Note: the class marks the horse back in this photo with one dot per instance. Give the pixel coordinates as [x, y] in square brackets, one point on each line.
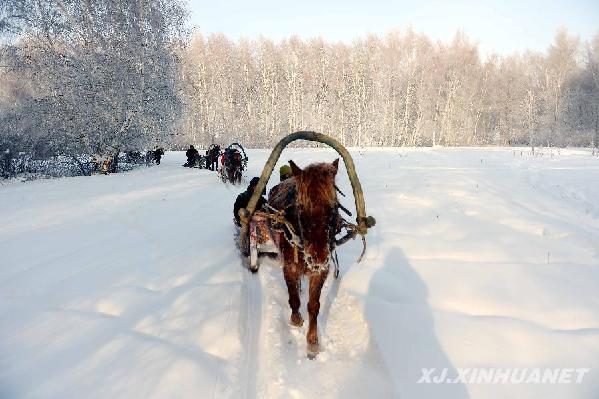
[283, 194]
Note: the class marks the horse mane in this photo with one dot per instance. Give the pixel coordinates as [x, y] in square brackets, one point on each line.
[316, 187]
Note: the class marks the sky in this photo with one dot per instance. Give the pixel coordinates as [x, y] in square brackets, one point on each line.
[501, 27]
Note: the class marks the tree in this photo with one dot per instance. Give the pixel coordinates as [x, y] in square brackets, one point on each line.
[98, 77]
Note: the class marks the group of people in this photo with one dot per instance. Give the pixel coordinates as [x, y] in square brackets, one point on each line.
[137, 157]
[244, 198]
[211, 157]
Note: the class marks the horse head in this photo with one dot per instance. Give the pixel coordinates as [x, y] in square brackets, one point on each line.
[316, 204]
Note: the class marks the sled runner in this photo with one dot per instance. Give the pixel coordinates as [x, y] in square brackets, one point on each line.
[261, 240]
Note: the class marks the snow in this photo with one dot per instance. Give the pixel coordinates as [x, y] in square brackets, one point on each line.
[129, 285]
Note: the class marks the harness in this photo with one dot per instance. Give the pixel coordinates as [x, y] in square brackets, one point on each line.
[295, 236]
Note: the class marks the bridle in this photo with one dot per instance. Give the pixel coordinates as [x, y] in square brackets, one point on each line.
[295, 235]
[329, 225]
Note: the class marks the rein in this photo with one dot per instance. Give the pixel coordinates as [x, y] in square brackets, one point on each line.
[278, 216]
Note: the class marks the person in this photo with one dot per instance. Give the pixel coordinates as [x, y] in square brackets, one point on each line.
[285, 172]
[212, 157]
[158, 153]
[192, 156]
[243, 199]
[208, 160]
[215, 159]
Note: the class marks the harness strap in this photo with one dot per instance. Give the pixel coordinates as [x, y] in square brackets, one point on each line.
[296, 241]
[279, 217]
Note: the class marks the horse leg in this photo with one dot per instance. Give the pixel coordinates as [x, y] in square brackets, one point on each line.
[292, 277]
[316, 283]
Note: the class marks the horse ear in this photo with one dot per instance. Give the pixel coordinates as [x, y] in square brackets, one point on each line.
[295, 169]
[336, 165]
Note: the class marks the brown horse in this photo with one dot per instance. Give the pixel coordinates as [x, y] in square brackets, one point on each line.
[310, 202]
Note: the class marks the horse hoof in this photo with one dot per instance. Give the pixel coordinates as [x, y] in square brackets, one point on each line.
[313, 351]
[296, 320]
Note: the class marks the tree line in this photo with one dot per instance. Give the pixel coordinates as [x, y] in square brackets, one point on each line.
[399, 90]
[80, 77]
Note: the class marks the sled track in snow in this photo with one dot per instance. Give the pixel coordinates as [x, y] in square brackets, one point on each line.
[252, 315]
[276, 362]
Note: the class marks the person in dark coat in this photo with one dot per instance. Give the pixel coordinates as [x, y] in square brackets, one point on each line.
[192, 156]
[213, 157]
[243, 199]
[158, 153]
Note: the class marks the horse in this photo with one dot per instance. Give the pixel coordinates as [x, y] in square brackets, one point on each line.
[309, 200]
[232, 168]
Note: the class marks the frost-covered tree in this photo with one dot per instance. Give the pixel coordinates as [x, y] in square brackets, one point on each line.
[97, 77]
[583, 113]
[403, 89]
[90, 77]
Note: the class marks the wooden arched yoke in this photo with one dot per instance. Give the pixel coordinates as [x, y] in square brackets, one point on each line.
[363, 222]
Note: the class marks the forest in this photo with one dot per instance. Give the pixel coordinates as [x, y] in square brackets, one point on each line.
[82, 79]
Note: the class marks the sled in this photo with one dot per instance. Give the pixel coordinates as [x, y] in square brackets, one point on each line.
[232, 170]
[261, 240]
[198, 163]
[255, 236]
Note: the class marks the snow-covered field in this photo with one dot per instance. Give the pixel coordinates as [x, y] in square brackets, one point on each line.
[129, 285]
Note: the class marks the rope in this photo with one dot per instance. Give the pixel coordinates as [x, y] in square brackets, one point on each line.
[352, 231]
[278, 216]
